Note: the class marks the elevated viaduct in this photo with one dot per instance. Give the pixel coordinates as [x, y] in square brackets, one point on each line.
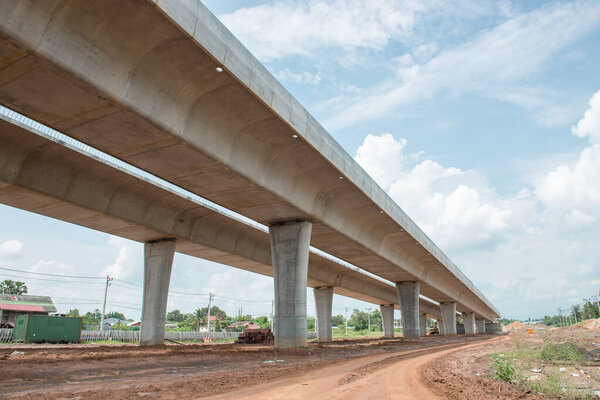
[167, 88]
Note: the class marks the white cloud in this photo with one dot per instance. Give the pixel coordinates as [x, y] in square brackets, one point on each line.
[589, 125]
[299, 77]
[11, 249]
[495, 64]
[128, 261]
[380, 156]
[576, 187]
[455, 207]
[291, 27]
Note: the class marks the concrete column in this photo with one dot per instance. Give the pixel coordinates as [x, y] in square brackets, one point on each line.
[423, 324]
[440, 327]
[408, 295]
[323, 301]
[469, 322]
[289, 251]
[158, 261]
[448, 318]
[480, 325]
[387, 318]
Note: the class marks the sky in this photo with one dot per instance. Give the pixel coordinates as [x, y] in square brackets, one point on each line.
[481, 119]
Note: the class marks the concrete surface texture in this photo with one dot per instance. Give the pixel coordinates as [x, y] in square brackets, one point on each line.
[469, 322]
[289, 250]
[448, 318]
[387, 318]
[408, 295]
[158, 262]
[323, 310]
[480, 324]
[99, 71]
[42, 176]
[423, 324]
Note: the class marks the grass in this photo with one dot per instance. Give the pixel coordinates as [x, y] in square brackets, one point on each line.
[341, 333]
[563, 352]
[514, 365]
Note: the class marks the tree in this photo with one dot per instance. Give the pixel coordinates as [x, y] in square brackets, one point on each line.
[92, 318]
[338, 320]
[175, 316]
[73, 313]
[11, 287]
[115, 314]
[199, 317]
[310, 324]
[262, 321]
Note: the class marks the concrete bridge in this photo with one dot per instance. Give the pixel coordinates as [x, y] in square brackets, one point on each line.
[166, 87]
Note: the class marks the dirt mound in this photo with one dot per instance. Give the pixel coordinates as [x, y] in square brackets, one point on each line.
[515, 326]
[590, 324]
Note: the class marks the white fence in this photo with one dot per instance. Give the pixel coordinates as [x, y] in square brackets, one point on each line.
[134, 336]
[6, 335]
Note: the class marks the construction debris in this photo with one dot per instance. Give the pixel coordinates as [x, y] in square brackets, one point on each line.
[256, 336]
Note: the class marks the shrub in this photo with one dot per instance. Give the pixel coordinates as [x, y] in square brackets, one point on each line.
[563, 352]
[503, 369]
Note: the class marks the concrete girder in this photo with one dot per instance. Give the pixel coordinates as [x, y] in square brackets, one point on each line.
[245, 158]
[42, 176]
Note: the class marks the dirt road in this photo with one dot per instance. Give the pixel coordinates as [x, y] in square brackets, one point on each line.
[199, 371]
[395, 376]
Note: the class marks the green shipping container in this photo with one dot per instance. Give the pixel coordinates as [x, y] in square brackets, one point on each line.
[44, 328]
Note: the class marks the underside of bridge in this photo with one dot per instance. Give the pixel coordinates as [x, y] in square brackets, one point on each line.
[164, 86]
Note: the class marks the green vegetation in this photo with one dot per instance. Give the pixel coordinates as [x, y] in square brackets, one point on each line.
[11, 287]
[563, 352]
[340, 332]
[547, 360]
[115, 314]
[503, 368]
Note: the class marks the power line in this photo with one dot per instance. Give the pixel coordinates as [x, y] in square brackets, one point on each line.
[47, 280]
[46, 274]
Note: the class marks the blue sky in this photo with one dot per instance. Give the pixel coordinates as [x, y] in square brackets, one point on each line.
[480, 118]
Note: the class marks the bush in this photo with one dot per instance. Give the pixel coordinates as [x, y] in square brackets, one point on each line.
[503, 369]
[563, 352]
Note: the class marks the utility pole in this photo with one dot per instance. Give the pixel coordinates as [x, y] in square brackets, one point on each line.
[108, 280]
[559, 318]
[272, 313]
[346, 321]
[210, 299]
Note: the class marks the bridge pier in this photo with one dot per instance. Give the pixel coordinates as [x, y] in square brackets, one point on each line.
[408, 295]
[158, 261]
[423, 324]
[480, 325]
[448, 311]
[323, 302]
[387, 319]
[469, 322]
[289, 252]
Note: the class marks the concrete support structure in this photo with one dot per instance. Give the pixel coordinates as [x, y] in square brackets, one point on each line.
[448, 311]
[158, 261]
[289, 252]
[323, 302]
[480, 323]
[423, 324]
[387, 318]
[440, 326]
[408, 295]
[469, 322]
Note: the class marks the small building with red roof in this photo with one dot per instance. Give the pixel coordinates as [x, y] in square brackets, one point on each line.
[13, 305]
